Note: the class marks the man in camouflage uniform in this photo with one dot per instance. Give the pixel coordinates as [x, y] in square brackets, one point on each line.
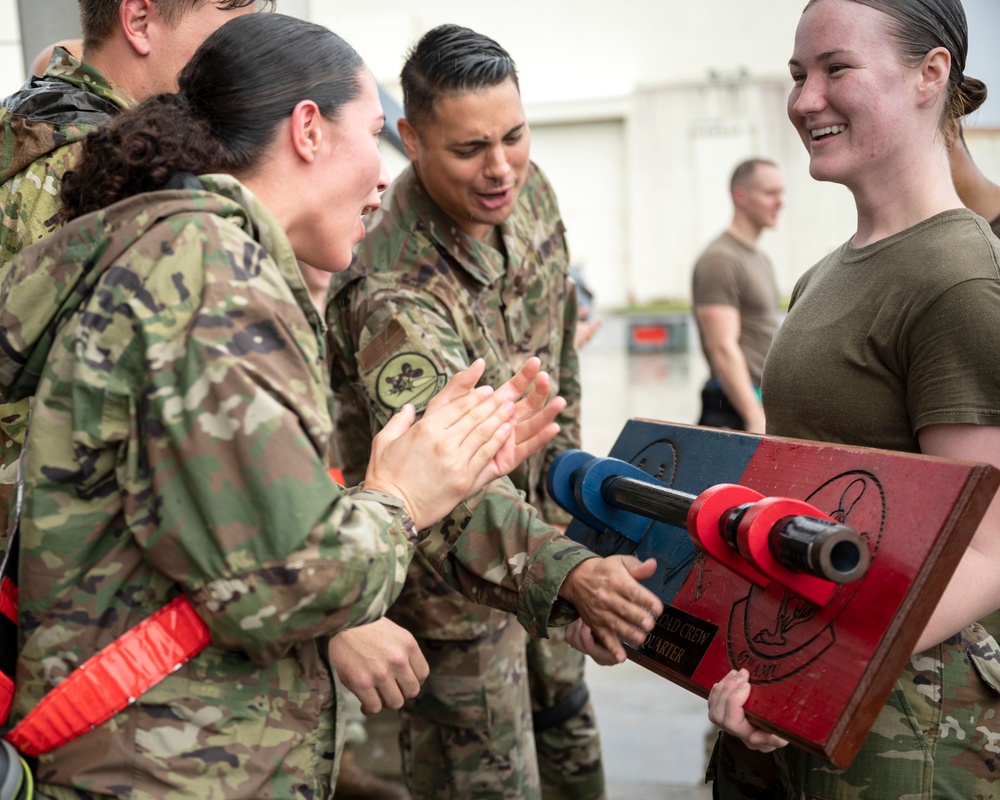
[127, 57]
[466, 258]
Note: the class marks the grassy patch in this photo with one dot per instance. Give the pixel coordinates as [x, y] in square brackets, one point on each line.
[665, 306]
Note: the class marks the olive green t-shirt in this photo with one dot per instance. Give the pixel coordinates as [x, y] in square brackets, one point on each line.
[883, 340]
[732, 273]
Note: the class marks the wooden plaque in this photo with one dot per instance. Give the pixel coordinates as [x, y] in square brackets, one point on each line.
[820, 675]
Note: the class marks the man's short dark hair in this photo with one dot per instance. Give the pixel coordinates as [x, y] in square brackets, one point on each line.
[743, 174]
[451, 59]
[98, 18]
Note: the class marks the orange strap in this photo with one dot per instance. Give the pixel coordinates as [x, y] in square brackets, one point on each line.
[8, 635]
[6, 695]
[112, 678]
[8, 599]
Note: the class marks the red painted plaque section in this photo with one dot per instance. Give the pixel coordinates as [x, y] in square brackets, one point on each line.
[821, 675]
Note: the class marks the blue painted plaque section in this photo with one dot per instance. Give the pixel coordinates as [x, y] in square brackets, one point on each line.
[682, 457]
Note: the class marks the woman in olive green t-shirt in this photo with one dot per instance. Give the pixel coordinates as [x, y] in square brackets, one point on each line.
[892, 341]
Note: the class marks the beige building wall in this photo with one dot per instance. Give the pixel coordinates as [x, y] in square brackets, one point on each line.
[639, 113]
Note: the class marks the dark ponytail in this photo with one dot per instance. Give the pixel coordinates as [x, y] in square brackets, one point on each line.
[243, 81]
[969, 95]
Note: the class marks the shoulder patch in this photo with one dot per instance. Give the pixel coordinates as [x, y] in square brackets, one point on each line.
[408, 378]
[392, 336]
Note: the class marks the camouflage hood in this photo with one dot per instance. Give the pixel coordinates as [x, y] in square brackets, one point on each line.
[47, 113]
[48, 282]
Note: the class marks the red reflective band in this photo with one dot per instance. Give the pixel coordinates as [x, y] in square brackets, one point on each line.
[337, 474]
[8, 609]
[6, 697]
[113, 678]
[8, 599]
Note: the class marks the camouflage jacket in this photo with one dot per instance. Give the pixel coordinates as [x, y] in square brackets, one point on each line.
[423, 300]
[41, 128]
[179, 443]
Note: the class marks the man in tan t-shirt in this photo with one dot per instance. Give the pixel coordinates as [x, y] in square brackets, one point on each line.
[736, 301]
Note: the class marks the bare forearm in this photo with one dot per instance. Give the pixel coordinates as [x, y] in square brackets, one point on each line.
[972, 593]
[973, 590]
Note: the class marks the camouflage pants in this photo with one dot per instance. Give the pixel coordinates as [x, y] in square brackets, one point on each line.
[469, 734]
[569, 750]
[937, 738]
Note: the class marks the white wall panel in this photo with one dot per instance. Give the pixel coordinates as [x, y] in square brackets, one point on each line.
[11, 68]
[586, 164]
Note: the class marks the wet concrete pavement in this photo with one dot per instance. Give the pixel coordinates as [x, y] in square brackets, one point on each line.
[653, 732]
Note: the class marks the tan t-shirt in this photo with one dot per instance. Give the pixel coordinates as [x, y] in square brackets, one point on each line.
[732, 273]
[883, 340]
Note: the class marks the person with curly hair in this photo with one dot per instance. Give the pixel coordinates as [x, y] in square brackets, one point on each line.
[131, 49]
[178, 447]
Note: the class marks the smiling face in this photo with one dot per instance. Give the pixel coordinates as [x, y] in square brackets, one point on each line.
[472, 155]
[348, 185]
[853, 100]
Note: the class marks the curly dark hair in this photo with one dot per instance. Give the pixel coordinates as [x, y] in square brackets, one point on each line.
[239, 86]
[139, 152]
